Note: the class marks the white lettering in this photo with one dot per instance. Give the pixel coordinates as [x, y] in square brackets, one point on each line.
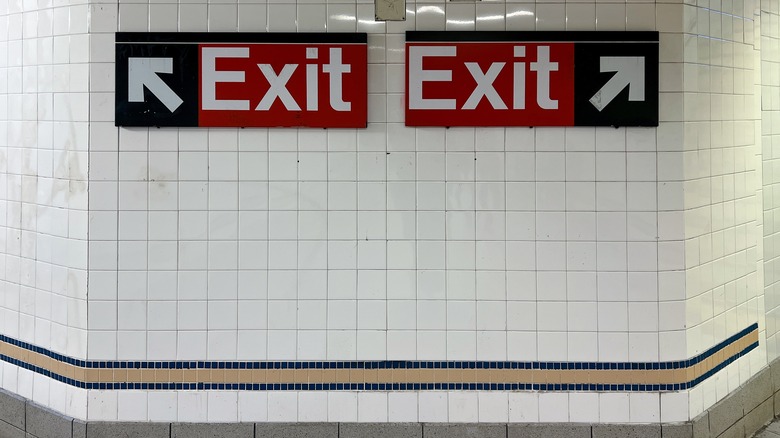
[335, 69]
[543, 67]
[518, 95]
[312, 84]
[211, 77]
[418, 76]
[278, 87]
[484, 85]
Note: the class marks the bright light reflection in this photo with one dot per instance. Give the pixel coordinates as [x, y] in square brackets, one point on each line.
[433, 9]
[460, 21]
[520, 14]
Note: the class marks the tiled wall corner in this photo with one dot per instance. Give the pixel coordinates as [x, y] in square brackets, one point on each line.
[44, 135]
[722, 184]
[770, 129]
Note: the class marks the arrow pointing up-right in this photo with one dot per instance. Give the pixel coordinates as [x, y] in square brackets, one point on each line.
[630, 73]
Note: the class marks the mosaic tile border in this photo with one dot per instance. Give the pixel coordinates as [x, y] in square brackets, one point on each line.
[380, 375]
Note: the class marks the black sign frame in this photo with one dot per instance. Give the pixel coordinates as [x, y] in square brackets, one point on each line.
[589, 48]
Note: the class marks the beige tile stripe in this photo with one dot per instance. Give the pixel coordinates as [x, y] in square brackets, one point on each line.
[127, 375]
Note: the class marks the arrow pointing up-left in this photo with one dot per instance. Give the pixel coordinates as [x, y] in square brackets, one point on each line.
[142, 72]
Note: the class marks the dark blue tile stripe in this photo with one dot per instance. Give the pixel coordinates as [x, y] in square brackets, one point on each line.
[382, 365]
[42, 371]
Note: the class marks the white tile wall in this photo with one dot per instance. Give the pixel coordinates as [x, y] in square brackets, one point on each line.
[770, 104]
[572, 244]
[721, 180]
[44, 135]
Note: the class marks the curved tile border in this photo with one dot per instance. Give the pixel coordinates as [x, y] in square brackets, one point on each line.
[380, 375]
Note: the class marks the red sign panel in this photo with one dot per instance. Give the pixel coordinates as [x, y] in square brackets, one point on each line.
[242, 80]
[317, 85]
[489, 84]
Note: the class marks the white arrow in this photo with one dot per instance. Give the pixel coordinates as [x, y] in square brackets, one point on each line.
[630, 73]
[142, 72]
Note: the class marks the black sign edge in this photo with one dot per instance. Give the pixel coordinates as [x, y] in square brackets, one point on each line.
[531, 36]
[242, 37]
[577, 37]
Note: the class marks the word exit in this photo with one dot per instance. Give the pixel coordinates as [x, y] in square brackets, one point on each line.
[531, 78]
[242, 80]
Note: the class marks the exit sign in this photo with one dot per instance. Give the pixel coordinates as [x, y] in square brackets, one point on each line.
[241, 79]
[531, 78]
